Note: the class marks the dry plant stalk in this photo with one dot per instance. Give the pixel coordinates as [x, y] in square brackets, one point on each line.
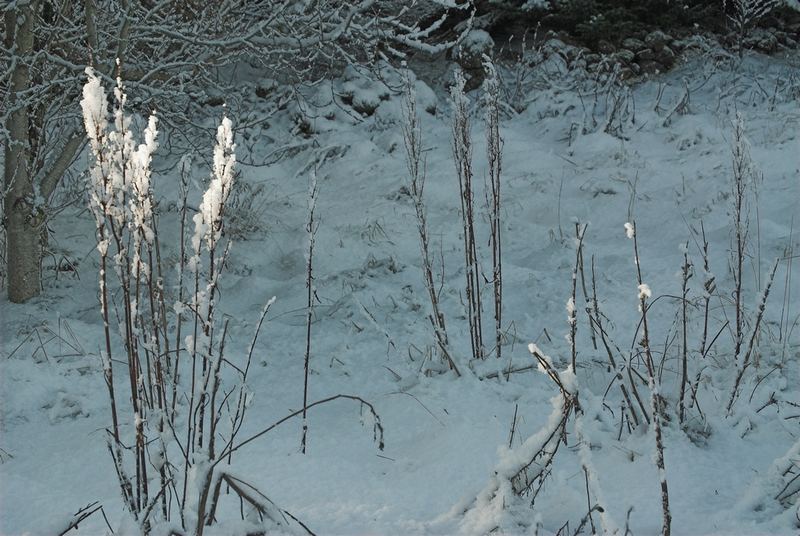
[742, 177]
[311, 231]
[121, 201]
[654, 382]
[412, 139]
[494, 153]
[686, 273]
[709, 287]
[572, 311]
[462, 156]
[596, 321]
[753, 336]
[184, 195]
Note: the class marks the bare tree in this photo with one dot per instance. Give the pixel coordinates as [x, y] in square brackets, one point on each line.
[21, 217]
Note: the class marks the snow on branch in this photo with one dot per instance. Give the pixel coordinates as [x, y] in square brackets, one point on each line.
[522, 470]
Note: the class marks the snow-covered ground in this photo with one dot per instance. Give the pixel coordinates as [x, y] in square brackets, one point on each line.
[371, 331]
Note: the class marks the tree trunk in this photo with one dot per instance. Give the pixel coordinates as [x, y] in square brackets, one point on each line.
[23, 220]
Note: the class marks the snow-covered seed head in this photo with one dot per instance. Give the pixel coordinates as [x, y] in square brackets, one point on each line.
[93, 105]
[644, 291]
[630, 230]
[570, 310]
[208, 221]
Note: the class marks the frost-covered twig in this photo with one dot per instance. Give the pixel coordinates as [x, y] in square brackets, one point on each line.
[209, 224]
[121, 199]
[81, 515]
[257, 500]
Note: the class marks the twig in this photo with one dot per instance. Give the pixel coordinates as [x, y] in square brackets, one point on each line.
[311, 228]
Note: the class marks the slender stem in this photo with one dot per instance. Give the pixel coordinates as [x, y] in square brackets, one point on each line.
[684, 357]
[655, 402]
[310, 230]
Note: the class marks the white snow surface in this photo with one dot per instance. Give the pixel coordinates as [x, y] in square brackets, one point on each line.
[445, 436]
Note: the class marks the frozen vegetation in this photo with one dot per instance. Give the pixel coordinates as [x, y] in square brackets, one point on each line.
[557, 303]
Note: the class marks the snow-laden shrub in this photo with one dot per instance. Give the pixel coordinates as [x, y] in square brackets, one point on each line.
[174, 431]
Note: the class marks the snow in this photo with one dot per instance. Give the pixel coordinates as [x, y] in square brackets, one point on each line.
[583, 430]
[94, 104]
[644, 291]
[476, 42]
[208, 220]
[447, 439]
[570, 310]
[629, 230]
